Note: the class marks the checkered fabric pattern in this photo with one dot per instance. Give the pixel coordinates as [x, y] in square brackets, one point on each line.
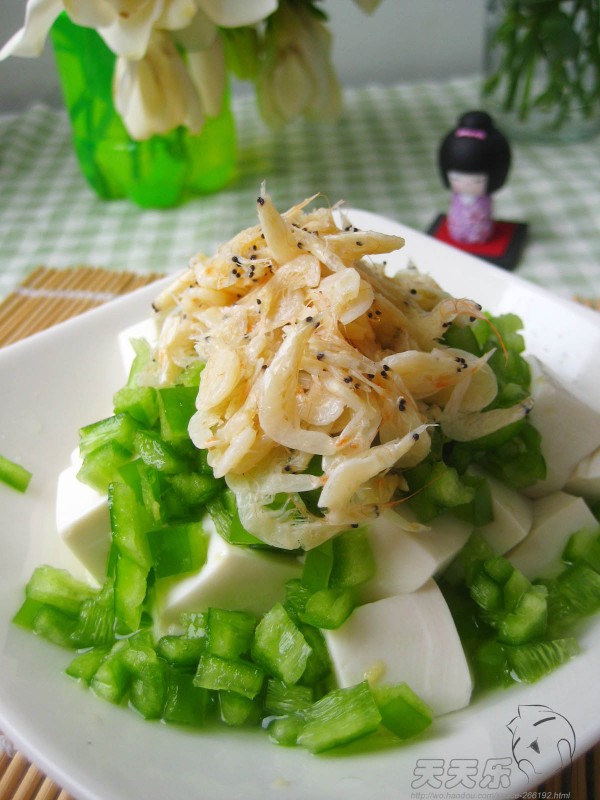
[380, 156]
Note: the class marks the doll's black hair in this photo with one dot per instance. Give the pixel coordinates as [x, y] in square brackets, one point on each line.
[476, 146]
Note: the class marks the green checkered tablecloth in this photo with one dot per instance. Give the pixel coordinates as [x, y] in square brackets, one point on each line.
[380, 156]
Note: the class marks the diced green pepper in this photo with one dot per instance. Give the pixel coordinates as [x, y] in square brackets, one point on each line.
[318, 564]
[229, 634]
[329, 608]
[341, 716]
[530, 662]
[318, 664]
[283, 699]
[185, 704]
[279, 646]
[491, 664]
[180, 651]
[54, 625]
[224, 514]
[527, 621]
[128, 523]
[584, 546]
[176, 404]
[130, 592]
[85, 665]
[101, 466]
[140, 402]
[158, 454]
[120, 428]
[195, 489]
[14, 474]
[59, 589]
[436, 488]
[231, 675]
[402, 711]
[237, 710]
[353, 561]
[96, 622]
[285, 730]
[147, 483]
[148, 688]
[177, 549]
[296, 597]
[112, 678]
[486, 592]
[190, 376]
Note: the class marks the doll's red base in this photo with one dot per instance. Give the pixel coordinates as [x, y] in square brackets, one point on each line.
[503, 248]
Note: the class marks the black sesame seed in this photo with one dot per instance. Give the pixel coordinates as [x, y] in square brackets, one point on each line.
[260, 201]
[415, 436]
[308, 319]
[347, 379]
[320, 356]
[413, 291]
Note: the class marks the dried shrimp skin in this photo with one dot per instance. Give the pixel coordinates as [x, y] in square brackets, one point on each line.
[312, 351]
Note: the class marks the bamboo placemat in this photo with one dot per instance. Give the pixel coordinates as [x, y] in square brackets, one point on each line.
[49, 296]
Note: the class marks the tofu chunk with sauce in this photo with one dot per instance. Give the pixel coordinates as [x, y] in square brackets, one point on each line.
[408, 638]
[233, 577]
[82, 521]
[555, 518]
[570, 428]
[585, 478]
[405, 559]
[513, 517]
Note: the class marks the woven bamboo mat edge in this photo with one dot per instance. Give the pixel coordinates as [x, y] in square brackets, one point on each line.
[49, 296]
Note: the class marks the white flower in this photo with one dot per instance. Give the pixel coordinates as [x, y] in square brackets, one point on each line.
[155, 94]
[297, 78]
[127, 25]
[154, 89]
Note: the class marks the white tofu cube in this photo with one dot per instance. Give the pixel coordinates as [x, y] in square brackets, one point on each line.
[408, 638]
[513, 517]
[235, 578]
[147, 329]
[406, 559]
[585, 478]
[83, 522]
[555, 518]
[570, 428]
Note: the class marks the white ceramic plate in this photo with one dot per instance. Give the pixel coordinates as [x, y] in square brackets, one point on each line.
[54, 382]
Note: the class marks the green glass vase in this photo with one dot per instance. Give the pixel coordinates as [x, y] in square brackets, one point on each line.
[159, 172]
